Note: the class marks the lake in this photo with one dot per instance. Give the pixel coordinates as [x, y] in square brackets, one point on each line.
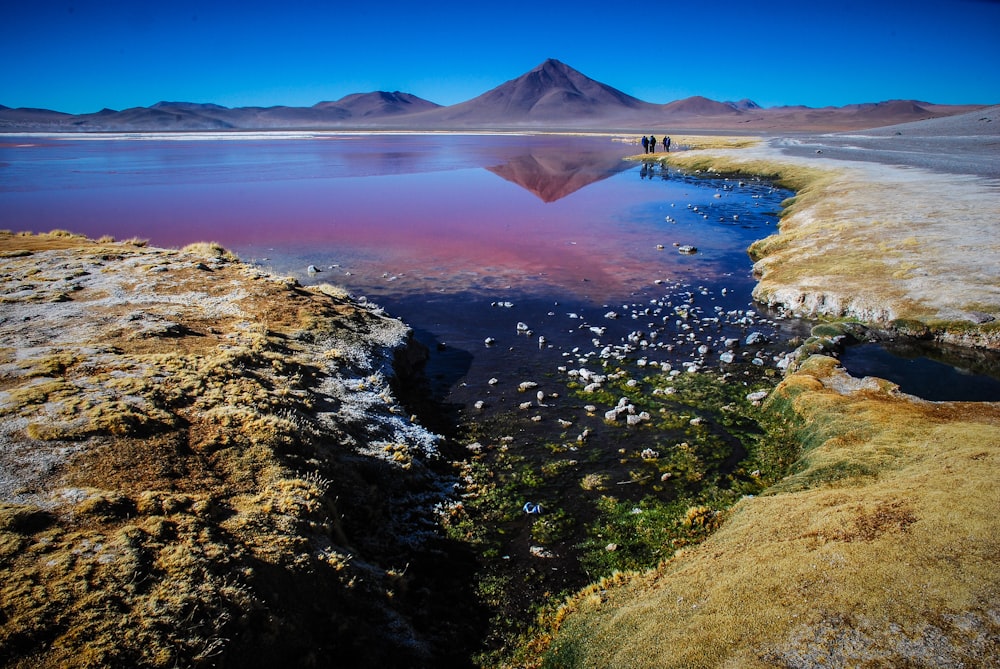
[438, 228]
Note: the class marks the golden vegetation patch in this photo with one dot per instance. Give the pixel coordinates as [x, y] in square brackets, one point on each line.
[879, 550]
[182, 473]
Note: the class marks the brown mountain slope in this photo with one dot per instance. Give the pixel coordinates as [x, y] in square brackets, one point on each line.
[379, 103]
[551, 92]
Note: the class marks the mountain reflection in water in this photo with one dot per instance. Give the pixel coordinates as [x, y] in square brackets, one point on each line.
[551, 173]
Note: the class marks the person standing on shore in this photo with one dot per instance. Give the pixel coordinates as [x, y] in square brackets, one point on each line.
[645, 144]
[652, 144]
[666, 144]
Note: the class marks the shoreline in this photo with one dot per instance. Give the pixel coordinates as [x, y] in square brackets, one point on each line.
[905, 249]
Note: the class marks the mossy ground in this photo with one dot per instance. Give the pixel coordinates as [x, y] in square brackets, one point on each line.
[877, 550]
[616, 498]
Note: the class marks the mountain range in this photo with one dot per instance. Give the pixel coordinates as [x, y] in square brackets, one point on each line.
[552, 96]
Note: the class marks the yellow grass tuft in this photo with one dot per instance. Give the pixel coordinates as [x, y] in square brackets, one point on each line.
[170, 456]
[210, 250]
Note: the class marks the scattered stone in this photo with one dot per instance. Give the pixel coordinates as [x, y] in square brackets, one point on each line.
[541, 552]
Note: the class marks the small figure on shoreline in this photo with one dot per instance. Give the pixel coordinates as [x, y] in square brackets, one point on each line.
[652, 144]
[645, 144]
[666, 144]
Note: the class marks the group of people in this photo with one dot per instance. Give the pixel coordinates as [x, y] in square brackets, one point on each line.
[649, 144]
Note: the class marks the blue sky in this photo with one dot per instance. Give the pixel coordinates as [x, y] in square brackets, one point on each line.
[83, 55]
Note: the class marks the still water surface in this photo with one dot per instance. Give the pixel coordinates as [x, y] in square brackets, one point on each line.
[439, 229]
[462, 236]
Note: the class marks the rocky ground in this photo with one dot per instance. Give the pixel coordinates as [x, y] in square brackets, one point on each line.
[203, 464]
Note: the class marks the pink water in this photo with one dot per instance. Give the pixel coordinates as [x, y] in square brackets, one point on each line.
[436, 228]
[421, 208]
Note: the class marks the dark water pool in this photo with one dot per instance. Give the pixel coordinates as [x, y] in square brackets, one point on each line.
[917, 372]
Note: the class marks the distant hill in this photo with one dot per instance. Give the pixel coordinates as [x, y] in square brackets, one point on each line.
[698, 106]
[378, 104]
[550, 96]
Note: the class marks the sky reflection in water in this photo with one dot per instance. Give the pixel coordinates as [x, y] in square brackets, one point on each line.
[561, 210]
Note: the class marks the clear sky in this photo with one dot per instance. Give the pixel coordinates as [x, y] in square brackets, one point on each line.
[84, 55]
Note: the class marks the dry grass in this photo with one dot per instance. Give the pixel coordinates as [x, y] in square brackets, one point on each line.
[875, 243]
[182, 478]
[880, 550]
